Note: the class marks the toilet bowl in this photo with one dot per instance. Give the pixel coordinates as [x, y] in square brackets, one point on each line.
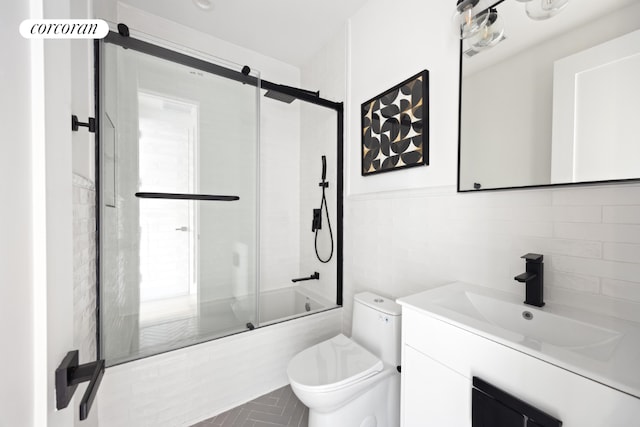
[353, 382]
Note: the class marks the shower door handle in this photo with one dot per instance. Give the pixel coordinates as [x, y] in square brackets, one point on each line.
[183, 228]
[70, 373]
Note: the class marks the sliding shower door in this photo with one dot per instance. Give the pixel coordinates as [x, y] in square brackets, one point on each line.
[178, 175]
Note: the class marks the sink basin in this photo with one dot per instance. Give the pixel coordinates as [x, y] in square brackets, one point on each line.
[528, 323]
[603, 348]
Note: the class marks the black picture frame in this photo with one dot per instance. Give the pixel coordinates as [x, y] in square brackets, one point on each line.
[395, 127]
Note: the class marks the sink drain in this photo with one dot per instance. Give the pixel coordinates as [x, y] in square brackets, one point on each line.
[527, 315]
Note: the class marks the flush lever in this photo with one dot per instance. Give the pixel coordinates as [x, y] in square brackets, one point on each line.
[183, 228]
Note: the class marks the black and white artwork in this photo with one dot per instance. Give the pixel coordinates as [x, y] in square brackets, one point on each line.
[395, 127]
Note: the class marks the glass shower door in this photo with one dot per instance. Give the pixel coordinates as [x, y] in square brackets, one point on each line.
[178, 176]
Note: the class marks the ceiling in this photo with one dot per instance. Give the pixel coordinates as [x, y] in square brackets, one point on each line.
[287, 30]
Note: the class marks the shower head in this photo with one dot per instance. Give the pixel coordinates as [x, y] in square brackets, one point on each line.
[273, 94]
[285, 93]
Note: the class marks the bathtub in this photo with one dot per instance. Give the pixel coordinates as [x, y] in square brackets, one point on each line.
[187, 385]
[288, 303]
[219, 318]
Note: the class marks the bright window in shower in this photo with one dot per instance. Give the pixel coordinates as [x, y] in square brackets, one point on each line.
[167, 152]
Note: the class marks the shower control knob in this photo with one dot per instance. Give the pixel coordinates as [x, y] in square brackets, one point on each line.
[183, 228]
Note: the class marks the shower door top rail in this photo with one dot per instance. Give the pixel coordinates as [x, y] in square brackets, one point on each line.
[184, 196]
[124, 40]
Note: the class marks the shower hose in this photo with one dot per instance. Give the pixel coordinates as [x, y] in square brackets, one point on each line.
[323, 203]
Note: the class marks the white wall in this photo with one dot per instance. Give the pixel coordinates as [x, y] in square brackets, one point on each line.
[82, 95]
[325, 73]
[390, 42]
[57, 183]
[17, 392]
[279, 192]
[37, 277]
[409, 230]
[37, 282]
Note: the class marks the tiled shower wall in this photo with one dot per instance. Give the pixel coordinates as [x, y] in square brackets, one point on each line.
[84, 276]
[84, 268]
[403, 242]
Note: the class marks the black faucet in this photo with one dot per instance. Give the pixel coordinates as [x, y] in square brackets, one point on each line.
[533, 279]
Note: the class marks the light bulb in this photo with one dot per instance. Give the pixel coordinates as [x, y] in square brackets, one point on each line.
[468, 15]
[490, 35]
[468, 21]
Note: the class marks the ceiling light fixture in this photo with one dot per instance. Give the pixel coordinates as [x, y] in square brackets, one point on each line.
[490, 34]
[483, 29]
[203, 4]
[469, 20]
[539, 10]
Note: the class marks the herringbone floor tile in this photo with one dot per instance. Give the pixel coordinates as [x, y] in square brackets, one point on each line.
[280, 408]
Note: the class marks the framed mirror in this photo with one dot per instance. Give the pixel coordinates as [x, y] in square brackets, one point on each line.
[553, 101]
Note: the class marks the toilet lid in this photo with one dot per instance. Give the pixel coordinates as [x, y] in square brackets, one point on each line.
[332, 364]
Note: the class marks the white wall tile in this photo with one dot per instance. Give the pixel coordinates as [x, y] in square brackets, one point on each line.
[185, 386]
[621, 289]
[578, 248]
[598, 232]
[597, 268]
[625, 252]
[407, 242]
[577, 213]
[602, 195]
[84, 268]
[621, 214]
[576, 282]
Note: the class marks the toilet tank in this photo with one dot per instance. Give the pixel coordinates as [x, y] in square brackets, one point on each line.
[376, 326]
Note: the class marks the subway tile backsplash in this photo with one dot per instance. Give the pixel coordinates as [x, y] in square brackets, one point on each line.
[402, 242]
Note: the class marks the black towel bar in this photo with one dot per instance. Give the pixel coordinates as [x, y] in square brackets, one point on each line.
[184, 196]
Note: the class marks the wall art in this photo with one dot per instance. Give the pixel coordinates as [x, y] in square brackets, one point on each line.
[395, 127]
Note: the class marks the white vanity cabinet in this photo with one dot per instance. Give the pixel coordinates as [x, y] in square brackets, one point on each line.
[439, 361]
[447, 404]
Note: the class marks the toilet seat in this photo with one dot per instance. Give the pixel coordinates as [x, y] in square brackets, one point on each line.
[331, 365]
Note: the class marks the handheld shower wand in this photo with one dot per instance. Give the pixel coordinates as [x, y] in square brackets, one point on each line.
[317, 214]
[324, 169]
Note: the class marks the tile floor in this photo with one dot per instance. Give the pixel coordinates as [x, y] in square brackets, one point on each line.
[280, 408]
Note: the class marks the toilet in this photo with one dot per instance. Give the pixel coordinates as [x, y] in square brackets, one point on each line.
[354, 382]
